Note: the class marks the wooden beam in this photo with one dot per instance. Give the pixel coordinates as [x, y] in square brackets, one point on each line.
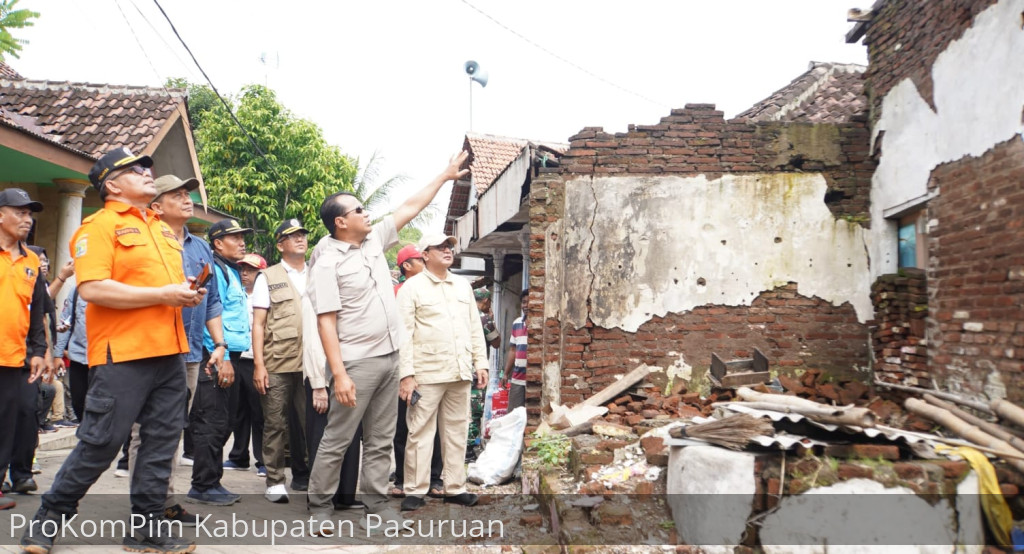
[40, 148]
[613, 390]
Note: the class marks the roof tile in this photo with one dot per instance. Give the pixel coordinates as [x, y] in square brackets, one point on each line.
[87, 117]
[825, 93]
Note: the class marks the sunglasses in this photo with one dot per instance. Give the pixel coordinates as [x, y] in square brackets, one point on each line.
[357, 209]
[137, 169]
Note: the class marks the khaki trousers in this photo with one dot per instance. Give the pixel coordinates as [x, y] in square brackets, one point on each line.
[376, 381]
[448, 405]
[285, 390]
[191, 378]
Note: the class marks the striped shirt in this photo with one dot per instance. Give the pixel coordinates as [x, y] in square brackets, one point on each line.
[519, 341]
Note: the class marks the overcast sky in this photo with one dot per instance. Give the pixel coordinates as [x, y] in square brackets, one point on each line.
[388, 75]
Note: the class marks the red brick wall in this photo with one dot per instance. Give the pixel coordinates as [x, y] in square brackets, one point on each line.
[795, 332]
[906, 36]
[698, 140]
[976, 269]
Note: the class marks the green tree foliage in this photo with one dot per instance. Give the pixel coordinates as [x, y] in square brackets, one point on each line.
[11, 18]
[298, 171]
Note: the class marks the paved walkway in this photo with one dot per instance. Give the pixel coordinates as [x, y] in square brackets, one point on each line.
[108, 500]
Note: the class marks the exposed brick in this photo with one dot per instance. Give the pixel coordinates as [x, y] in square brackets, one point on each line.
[854, 471]
[869, 451]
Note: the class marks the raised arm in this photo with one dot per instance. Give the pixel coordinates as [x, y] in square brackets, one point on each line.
[415, 204]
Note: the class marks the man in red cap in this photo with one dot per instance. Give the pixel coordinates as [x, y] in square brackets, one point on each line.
[409, 262]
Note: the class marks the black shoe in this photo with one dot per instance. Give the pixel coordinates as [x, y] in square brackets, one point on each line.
[354, 505]
[25, 486]
[142, 542]
[462, 499]
[179, 513]
[36, 540]
[299, 485]
[410, 503]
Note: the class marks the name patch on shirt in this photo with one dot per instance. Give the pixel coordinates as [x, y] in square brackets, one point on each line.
[276, 286]
[127, 231]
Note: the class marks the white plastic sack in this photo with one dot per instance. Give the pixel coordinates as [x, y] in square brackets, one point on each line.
[497, 462]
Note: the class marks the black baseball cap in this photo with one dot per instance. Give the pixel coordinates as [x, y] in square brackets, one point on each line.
[18, 198]
[226, 227]
[115, 159]
[288, 227]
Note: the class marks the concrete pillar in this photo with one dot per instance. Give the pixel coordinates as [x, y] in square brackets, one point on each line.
[524, 239]
[72, 192]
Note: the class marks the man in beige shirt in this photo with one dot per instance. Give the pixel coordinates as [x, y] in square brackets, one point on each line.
[357, 318]
[444, 354]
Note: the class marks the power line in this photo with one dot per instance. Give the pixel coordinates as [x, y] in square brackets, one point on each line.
[227, 107]
[561, 59]
[162, 39]
[139, 42]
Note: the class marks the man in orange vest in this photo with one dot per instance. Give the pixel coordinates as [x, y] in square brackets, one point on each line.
[129, 270]
[21, 295]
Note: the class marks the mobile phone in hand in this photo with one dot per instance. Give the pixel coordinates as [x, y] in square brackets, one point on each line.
[415, 398]
[203, 278]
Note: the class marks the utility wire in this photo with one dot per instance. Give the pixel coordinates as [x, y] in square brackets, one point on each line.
[561, 59]
[139, 42]
[162, 39]
[227, 107]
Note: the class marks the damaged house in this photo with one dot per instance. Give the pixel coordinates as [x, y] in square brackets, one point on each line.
[862, 223]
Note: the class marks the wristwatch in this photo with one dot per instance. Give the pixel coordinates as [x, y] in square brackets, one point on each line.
[224, 344]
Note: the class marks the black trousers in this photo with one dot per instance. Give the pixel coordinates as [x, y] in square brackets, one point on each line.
[298, 458]
[401, 437]
[248, 415]
[21, 399]
[151, 392]
[315, 425]
[210, 423]
[78, 382]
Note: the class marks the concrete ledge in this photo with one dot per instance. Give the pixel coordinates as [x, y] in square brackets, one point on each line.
[63, 439]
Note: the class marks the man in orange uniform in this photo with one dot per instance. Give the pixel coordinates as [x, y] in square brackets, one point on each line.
[129, 270]
[21, 295]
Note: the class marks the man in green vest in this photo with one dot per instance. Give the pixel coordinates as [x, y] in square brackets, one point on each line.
[277, 349]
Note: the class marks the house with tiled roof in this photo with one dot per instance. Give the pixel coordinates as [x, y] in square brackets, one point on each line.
[489, 214]
[52, 132]
[825, 93]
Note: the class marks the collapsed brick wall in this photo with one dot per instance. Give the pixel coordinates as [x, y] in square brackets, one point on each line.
[976, 271]
[905, 37]
[698, 140]
[898, 340]
[795, 332]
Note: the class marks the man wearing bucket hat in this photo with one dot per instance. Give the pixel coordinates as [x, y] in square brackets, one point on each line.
[129, 270]
[444, 357]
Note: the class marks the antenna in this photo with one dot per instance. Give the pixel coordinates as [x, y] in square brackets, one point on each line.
[475, 74]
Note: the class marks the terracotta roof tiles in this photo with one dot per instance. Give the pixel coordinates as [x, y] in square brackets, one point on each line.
[826, 93]
[85, 117]
[489, 155]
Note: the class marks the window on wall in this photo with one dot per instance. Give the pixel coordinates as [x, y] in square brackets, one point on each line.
[913, 244]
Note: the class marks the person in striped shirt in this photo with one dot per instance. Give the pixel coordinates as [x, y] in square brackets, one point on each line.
[515, 361]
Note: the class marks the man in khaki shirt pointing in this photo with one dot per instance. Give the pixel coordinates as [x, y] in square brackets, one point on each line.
[443, 356]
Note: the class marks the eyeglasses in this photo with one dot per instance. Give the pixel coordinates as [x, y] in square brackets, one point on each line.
[357, 209]
[137, 169]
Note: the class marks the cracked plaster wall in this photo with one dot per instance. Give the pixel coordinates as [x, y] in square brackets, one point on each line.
[978, 91]
[639, 247]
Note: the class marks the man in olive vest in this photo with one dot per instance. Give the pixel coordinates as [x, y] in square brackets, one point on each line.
[277, 349]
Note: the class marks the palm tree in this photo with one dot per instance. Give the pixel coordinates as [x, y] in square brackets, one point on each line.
[376, 196]
[11, 18]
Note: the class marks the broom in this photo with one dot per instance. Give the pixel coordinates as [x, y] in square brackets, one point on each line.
[733, 432]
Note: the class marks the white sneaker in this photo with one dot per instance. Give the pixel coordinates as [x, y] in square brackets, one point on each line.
[183, 461]
[277, 494]
[120, 473]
